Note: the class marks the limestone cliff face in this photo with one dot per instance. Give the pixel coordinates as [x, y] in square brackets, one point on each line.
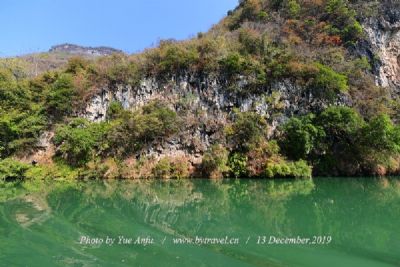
[206, 94]
[208, 105]
[383, 40]
[210, 101]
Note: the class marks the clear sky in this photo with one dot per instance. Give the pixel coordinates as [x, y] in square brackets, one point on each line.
[131, 25]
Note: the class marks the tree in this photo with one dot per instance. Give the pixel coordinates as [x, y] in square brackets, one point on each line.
[60, 98]
[380, 145]
[300, 137]
[339, 151]
[78, 141]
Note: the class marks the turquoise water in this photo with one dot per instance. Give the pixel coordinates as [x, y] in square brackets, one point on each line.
[353, 222]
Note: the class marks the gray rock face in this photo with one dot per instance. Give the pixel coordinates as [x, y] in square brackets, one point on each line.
[383, 39]
[205, 94]
[208, 105]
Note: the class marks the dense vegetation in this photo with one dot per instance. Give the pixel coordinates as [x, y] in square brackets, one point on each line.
[308, 43]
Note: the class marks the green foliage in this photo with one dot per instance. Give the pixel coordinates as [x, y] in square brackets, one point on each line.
[343, 20]
[215, 162]
[60, 98]
[300, 137]
[233, 64]
[262, 16]
[363, 64]
[133, 130]
[293, 8]
[12, 170]
[247, 129]
[172, 57]
[52, 172]
[114, 111]
[380, 144]
[19, 131]
[115, 69]
[79, 140]
[300, 169]
[76, 65]
[340, 142]
[338, 150]
[276, 59]
[284, 169]
[382, 135]
[167, 168]
[340, 123]
[12, 95]
[238, 165]
[353, 31]
[251, 42]
[327, 83]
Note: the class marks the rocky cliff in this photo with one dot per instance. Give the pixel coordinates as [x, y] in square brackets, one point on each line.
[382, 44]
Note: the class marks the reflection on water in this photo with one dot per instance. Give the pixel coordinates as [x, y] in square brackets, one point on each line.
[41, 224]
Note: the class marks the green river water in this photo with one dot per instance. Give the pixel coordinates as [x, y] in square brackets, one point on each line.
[350, 222]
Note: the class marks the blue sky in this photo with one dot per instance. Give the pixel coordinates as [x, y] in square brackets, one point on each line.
[35, 25]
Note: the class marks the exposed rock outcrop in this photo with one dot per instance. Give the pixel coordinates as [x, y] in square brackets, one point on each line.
[383, 40]
[82, 50]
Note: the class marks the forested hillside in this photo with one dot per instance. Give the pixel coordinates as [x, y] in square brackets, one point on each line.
[278, 88]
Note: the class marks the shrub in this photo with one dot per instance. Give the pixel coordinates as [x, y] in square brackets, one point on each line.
[210, 50]
[343, 20]
[352, 32]
[250, 9]
[215, 162]
[132, 131]
[259, 153]
[251, 42]
[114, 111]
[112, 70]
[293, 8]
[232, 65]
[78, 141]
[76, 65]
[276, 58]
[327, 83]
[238, 165]
[172, 57]
[171, 168]
[247, 129]
[12, 170]
[12, 94]
[284, 169]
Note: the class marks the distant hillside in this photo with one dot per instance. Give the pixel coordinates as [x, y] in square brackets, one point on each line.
[34, 64]
[83, 51]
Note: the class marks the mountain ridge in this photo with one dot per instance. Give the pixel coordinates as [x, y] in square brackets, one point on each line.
[84, 50]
